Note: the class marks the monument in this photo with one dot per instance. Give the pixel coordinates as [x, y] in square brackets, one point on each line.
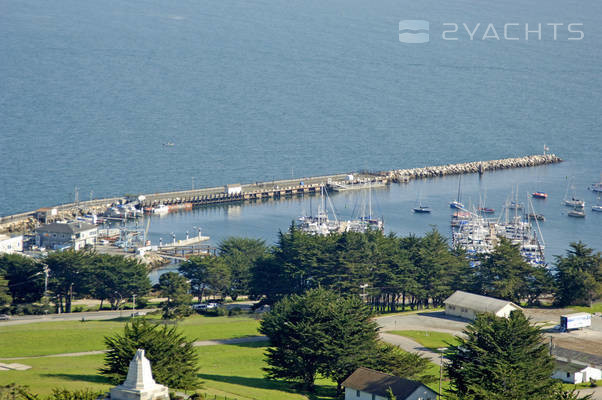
[139, 384]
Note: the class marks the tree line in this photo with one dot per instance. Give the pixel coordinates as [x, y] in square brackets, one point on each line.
[388, 271]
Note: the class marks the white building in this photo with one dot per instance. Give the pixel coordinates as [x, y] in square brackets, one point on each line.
[9, 245]
[571, 372]
[468, 305]
[234, 189]
[75, 235]
[574, 366]
[368, 384]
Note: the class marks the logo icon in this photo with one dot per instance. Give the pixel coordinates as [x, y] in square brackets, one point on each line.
[414, 31]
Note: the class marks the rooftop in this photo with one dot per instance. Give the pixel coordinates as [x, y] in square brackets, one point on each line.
[477, 302]
[70, 227]
[375, 382]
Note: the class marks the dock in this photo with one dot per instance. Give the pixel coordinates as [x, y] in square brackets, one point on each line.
[262, 191]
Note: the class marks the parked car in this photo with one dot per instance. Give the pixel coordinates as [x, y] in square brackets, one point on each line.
[138, 313]
[204, 306]
[4, 317]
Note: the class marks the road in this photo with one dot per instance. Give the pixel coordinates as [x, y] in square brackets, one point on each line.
[88, 316]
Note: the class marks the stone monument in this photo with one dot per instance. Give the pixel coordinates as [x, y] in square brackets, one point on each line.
[139, 384]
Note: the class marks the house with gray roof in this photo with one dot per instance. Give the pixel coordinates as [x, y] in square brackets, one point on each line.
[574, 366]
[75, 235]
[368, 384]
[468, 305]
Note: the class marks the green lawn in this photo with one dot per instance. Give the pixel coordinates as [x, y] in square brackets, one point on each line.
[594, 308]
[226, 370]
[73, 336]
[429, 339]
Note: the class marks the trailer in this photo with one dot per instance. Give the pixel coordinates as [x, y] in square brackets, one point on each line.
[575, 321]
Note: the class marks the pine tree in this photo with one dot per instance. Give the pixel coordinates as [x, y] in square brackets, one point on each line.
[579, 277]
[173, 358]
[501, 358]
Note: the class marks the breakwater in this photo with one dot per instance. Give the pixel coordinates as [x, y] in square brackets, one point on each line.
[263, 190]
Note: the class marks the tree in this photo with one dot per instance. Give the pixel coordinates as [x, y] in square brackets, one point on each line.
[501, 358]
[69, 276]
[390, 394]
[296, 326]
[174, 359]
[5, 297]
[320, 332]
[25, 277]
[240, 255]
[13, 391]
[175, 287]
[579, 276]
[117, 278]
[195, 270]
[504, 273]
[207, 273]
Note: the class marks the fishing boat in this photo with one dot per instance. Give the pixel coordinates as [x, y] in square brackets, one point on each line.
[576, 213]
[456, 203]
[539, 195]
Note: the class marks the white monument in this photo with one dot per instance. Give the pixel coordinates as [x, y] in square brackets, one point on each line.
[139, 384]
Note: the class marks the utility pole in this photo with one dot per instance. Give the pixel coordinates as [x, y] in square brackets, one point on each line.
[440, 374]
[134, 302]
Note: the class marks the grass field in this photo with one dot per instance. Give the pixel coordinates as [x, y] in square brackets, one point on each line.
[234, 371]
[429, 339]
[594, 308]
[73, 336]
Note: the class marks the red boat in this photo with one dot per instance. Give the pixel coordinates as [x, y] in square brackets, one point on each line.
[486, 210]
[540, 195]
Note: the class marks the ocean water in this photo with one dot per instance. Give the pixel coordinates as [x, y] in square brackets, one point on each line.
[259, 90]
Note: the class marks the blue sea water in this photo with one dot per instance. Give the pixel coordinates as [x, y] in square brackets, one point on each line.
[256, 90]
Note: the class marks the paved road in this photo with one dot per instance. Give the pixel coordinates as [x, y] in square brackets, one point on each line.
[423, 321]
[88, 316]
[411, 346]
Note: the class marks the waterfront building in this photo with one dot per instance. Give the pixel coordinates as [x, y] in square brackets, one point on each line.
[9, 245]
[75, 235]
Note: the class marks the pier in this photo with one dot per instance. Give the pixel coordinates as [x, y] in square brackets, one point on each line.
[258, 191]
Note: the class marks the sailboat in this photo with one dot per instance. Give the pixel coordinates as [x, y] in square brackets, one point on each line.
[597, 207]
[573, 201]
[456, 203]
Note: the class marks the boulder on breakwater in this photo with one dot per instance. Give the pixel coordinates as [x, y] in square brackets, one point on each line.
[403, 175]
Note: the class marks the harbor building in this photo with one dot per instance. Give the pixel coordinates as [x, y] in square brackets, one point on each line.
[9, 245]
[468, 305]
[75, 235]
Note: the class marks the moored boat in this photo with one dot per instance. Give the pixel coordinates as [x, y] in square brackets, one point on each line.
[574, 202]
[536, 216]
[539, 195]
[422, 209]
[576, 213]
[486, 210]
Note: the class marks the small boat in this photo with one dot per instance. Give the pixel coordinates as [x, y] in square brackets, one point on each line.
[168, 144]
[161, 209]
[486, 210]
[539, 195]
[536, 216]
[576, 213]
[597, 187]
[515, 205]
[456, 203]
[574, 202]
[422, 209]
[597, 208]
